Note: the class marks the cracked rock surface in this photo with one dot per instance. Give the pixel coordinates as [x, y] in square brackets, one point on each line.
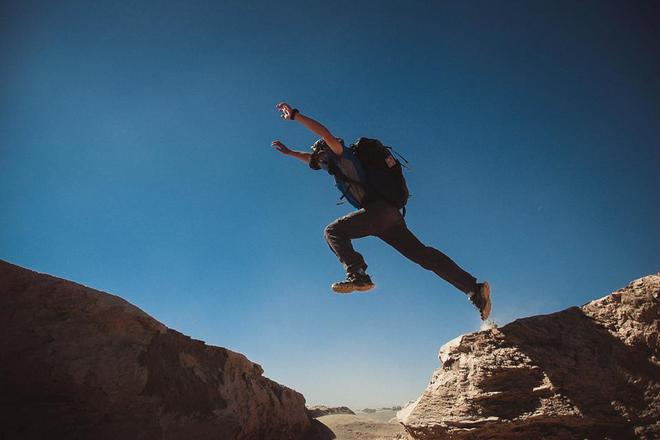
[590, 372]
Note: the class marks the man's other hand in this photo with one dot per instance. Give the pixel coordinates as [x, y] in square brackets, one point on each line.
[279, 146]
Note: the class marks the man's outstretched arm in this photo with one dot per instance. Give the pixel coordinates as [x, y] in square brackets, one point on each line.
[316, 127]
[301, 155]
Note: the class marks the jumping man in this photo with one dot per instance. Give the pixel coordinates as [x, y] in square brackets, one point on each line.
[375, 216]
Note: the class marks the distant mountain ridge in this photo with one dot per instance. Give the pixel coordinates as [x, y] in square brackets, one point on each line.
[590, 372]
[79, 363]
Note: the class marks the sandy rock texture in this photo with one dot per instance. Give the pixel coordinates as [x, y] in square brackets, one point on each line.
[323, 410]
[82, 364]
[589, 372]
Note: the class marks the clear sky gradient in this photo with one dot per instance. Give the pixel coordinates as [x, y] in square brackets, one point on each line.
[135, 158]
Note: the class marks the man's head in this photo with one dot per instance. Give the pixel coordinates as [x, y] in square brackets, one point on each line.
[320, 152]
[319, 145]
[319, 157]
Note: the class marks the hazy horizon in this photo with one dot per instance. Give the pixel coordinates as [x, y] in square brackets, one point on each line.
[136, 159]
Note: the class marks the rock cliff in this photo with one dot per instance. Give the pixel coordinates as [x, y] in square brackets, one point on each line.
[79, 363]
[591, 372]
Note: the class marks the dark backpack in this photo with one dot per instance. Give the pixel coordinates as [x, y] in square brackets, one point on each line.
[383, 171]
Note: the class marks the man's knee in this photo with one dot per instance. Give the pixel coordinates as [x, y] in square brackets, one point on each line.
[335, 230]
[330, 231]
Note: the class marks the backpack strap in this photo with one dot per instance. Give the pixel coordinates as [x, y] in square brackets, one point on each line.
[335, 171]
[343, 195]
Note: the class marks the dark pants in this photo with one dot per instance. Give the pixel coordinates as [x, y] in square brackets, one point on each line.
[384, 221]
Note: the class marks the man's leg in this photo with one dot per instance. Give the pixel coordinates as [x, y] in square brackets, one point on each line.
[376, 218]
[404, 241]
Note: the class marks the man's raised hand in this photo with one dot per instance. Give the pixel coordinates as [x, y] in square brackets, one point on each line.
[287, 111]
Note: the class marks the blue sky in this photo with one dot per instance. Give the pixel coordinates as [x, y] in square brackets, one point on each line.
[135, 158]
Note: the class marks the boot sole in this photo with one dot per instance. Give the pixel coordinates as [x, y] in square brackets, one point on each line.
[485, 313]
[353, 289]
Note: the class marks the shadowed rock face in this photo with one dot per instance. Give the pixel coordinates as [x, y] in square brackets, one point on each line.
[79, 363]
[583, 373]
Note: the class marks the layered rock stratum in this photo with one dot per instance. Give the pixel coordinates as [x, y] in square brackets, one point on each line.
[82, 364]
[589, 372]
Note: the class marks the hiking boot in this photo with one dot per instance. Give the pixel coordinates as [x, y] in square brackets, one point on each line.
[354, 281]
[481, 299]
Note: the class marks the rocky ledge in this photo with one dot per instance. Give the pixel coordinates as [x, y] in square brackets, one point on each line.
[589, 372]
[79, 363]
